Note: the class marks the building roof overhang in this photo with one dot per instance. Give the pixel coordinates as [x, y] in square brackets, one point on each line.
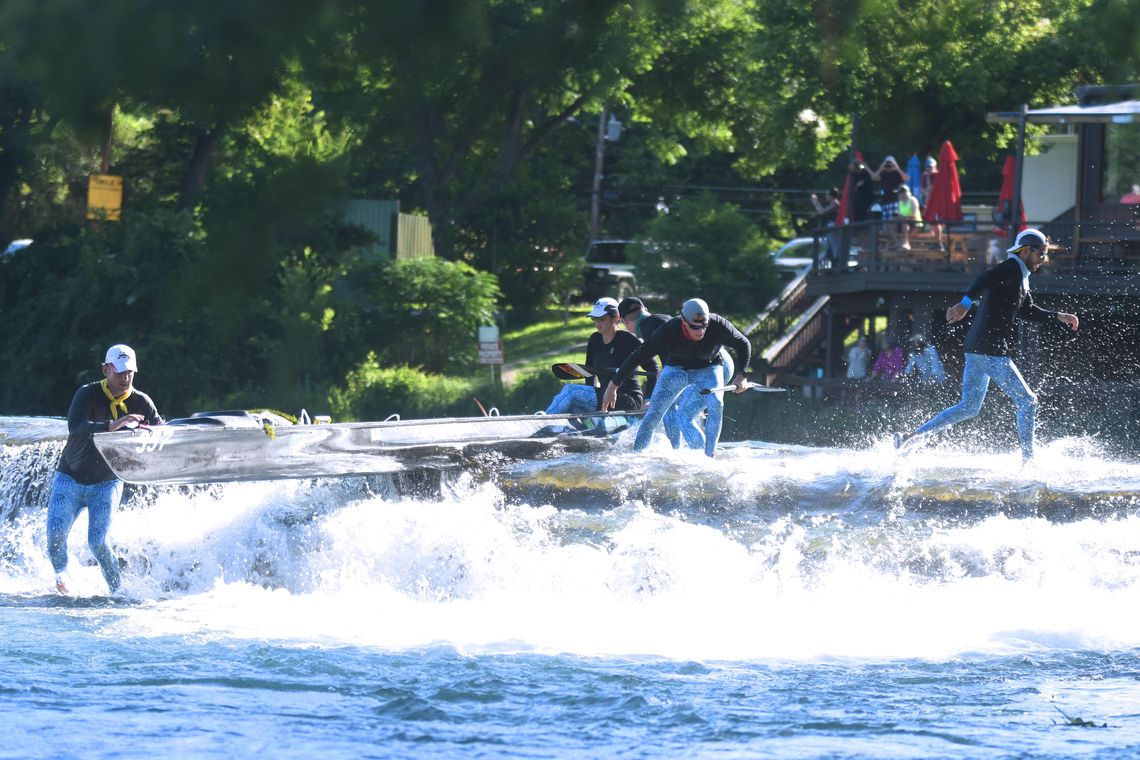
[1122, 112]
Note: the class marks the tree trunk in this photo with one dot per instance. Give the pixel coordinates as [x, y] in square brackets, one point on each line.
[195, 180]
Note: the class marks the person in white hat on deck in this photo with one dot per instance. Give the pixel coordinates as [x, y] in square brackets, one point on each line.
[82, 479]
[991, 338]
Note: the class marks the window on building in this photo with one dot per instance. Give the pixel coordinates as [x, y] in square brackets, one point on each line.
[1121, 177]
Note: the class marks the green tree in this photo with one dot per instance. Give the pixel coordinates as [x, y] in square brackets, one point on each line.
[915, 74]
[704, 249]
[420, 312]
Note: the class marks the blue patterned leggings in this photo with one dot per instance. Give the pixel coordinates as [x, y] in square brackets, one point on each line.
[979, 370]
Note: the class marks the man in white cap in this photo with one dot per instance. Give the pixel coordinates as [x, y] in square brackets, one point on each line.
[991, 337]
[605, 351]
[83, 479]
[690, 345]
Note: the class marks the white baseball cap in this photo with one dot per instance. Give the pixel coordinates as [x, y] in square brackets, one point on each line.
[122, 357]
[1028, 236]
[604, 307]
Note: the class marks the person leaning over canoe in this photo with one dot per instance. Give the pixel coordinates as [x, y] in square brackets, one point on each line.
[605, 352]
[83, 479]
[691, 344]
[690, 403]
[637, 318]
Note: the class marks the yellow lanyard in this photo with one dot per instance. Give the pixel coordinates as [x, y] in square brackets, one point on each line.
[116, 403]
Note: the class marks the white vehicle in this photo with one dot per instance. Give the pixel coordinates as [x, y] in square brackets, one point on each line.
[16, 245]
[608, 271]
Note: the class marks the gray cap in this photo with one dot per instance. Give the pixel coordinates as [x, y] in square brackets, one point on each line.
[694, 309]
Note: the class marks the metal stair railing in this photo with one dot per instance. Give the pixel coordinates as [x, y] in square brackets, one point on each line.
[780, 312]
[803, 337]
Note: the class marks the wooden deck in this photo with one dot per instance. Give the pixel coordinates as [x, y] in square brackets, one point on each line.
[912, 289]
[1107, 265]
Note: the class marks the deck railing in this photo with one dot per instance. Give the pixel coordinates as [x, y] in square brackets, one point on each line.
[780, 312]
[1080, 248]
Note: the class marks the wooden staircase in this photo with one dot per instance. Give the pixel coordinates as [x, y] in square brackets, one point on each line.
[789, 328]
[803, 337]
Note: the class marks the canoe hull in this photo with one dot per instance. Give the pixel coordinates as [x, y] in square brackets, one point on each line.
[201, 453]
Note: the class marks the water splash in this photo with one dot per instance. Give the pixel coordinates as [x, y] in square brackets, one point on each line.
[767, 552]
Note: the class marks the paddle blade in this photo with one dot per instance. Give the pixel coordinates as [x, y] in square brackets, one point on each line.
[749, 386]
[571, 371]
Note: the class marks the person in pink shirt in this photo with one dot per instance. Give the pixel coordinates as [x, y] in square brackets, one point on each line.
[890, 362]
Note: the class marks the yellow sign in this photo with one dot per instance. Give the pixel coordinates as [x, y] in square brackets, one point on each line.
[104, 197]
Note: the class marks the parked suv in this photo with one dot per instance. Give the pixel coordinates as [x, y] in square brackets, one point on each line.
[608, 271]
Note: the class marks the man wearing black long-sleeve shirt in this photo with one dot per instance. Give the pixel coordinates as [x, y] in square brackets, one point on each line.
[690, 345]
[82, 479]
[1006, 296]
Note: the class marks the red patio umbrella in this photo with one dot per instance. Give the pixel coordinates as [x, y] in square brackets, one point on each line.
[1002, 213]
[945, 202]
[841, 216]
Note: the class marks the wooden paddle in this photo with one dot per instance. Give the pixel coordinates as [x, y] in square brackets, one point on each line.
[572, 371]
[747, 386]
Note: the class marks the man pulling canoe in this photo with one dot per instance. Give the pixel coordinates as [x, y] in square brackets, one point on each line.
[690, 345]
[681, 421]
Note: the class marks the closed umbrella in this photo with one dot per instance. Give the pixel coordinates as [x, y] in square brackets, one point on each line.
[945, 203]
[1002, 213]
[914, 175]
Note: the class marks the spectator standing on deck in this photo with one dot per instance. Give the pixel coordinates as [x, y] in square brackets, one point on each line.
[890, 362]
[858, 356]
[890, 177]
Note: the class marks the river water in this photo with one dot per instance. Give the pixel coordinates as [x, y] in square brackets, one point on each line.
[778, 601]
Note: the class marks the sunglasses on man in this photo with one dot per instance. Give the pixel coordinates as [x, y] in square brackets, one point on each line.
[698, 326]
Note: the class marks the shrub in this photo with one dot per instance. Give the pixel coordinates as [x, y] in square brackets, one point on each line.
[372, 392]
[418, 312]
[704, 249]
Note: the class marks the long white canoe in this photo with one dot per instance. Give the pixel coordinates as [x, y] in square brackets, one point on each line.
[220, 447]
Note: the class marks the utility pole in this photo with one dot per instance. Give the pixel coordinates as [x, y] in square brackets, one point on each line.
[599, 165]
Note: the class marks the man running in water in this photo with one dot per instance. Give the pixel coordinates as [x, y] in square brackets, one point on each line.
[1006, 295]
[690, 345]
[690, 403]
[83, 479]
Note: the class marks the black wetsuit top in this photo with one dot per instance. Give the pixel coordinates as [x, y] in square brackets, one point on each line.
[1004, 295]
[605, 358]
[90, 413]
[668, 342]
[648, 324]
[645, 327]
